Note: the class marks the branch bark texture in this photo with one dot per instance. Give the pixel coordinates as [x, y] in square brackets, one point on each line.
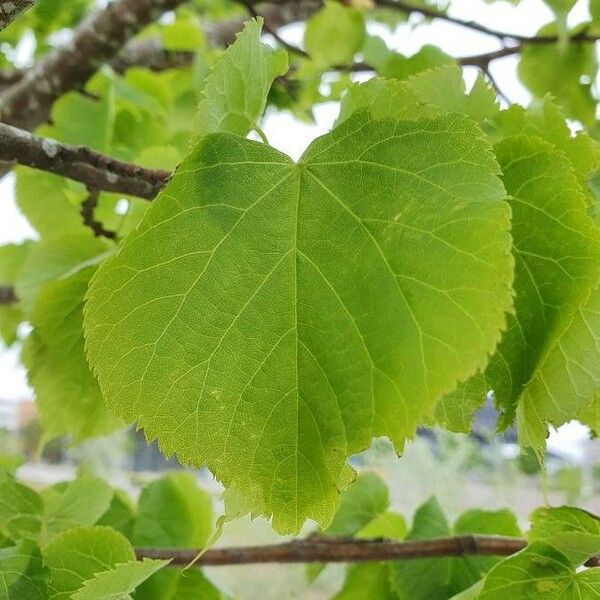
[329, 550]
[96, 171]
[98, 39]
[7, 295]
[11, 9]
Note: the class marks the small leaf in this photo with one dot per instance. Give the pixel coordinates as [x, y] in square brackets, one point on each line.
[12, 257]
[67, 395]
[539, 571]
[423, 579]
[116, 583]
[20, 509]
[49, 202]
[428, 57]
[22, 573]
[120, 515]
[546, 120]
[173, 512]
[388, 525]
[590, 415]
[572, 531]
[235, 93]
[55, 257]
[559, 70]
[334, 34]
[360, 504]
[370, 580]
[425, 95]
[83, 502]
[78, 554]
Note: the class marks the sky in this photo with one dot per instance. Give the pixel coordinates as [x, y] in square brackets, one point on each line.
[292, 137]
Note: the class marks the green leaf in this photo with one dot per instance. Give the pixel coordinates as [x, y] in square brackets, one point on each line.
[178, 584]
[424, 578]
[569, 66]
[467, 570]
[546, 365]
[20, 509]
[386, 525]
[471, 593]
[57, 257]
[12, 257]
[456, 410]
[425, 95]
[541, 572]
[173, 512]
[191, 585]
[67, 395]
[185, 34]
[334, 34]
[116, 583]
[572, 531]
[11, 462]
[22, 573]
[235, 93]
[545, 120]
[83, 121]
[78, 554]
[364, 335]
[595, 11]
[370, 580]
[120, 515]
[82, 503]
[567, 379]
[428, 57]
[49, 202]
[590, 415]
[362, 502]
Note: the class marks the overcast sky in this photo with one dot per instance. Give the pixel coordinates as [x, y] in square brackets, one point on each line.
[292, 137]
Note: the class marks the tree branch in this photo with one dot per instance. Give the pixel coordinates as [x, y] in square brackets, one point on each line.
[430, 13]
[99, 38]
[7, 295]
[483, 60]
[276, 14]
[149, 52]
[11, 9]
[96, 171]
[329, 550]
[272, 31]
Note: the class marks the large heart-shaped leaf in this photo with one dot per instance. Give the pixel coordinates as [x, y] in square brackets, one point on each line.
[269, 318]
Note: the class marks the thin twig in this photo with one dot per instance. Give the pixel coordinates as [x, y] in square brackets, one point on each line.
[329, 550]
[7, 295]
[272, 31]
[486, 71]
[431, 13]
[87, 211]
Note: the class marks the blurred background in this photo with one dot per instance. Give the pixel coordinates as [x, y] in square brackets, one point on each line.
[481, 469]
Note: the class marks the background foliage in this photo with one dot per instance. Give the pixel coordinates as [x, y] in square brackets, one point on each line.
[268, 318]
